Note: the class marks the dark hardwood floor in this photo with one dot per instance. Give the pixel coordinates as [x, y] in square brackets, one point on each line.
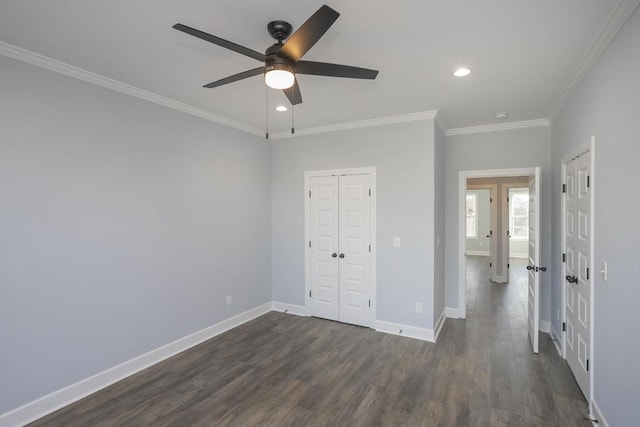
[282, 370]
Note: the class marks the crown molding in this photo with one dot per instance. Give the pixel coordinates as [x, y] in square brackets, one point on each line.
[498, 127]
[380, 121]
[51, 64]
[616, 20]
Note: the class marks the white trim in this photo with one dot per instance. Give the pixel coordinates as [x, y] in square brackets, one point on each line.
[478, 253]
[462, 191]
[556, 340]
[619, 15]
[405, 331]
[440, 123]
[440, 324]
[74, 392]
[545, 326]
[379, 121]
[596, 414]
[51, 64]
[371, 171]
[451, 312]
[298, 310]
[498, 127]
[519, 255]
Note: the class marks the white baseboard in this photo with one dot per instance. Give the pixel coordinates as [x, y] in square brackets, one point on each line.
[298, 310]
[597, 415]
[477, 253]
[452, 312]
[545, 326]
[67, 395]
[556, 340]
[440, 323]
[405, 331]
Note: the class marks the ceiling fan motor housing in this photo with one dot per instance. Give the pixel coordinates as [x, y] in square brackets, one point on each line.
[274, 61]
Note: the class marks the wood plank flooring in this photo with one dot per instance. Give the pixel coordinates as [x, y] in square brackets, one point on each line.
[284, 370]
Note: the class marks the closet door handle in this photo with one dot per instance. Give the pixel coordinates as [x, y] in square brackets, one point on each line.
[334, 255]
[341, 255]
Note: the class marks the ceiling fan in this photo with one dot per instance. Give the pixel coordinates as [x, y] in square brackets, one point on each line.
[282, 61]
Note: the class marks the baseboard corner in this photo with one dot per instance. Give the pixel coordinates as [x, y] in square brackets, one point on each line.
[298, 310]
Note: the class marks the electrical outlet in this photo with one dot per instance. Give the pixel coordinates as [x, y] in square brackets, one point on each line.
[603, 270]
[418, 308]
[228, 299]
[396, 241]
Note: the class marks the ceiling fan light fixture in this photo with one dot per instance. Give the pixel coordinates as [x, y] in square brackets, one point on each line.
[279, 78]
[281, 108]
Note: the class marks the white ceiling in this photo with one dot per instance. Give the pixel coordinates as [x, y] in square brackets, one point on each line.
[522, 53]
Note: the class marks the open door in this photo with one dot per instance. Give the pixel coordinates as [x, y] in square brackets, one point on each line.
[534, 259]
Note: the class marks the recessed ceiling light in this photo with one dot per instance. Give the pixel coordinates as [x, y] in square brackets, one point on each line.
[462, 72]
[502, 115]
[281, 108]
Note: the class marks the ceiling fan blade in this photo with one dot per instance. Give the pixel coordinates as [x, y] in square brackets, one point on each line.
[334, 70]
[236, 77]
[309, 33]
[221, 42]
[293, 93]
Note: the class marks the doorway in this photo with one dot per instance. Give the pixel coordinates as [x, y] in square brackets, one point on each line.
[340, 245]
[533, 267]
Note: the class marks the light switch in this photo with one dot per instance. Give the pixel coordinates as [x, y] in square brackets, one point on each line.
[396, 241]
[603, 270]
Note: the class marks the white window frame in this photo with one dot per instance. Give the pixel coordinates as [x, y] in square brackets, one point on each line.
[474, 194]
[516, 190]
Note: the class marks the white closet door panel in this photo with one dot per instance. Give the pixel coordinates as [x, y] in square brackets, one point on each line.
[354, 245]
[323, 227]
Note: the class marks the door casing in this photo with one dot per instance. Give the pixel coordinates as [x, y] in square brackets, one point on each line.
[371, 171]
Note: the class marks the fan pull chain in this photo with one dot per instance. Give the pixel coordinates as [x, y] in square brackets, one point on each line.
[292, 128]
[267, 115]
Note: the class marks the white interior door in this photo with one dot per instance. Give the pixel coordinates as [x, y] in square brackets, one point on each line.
[323, 250]
[354, 258]
[578, 258]
[534, 259]
[340, 248]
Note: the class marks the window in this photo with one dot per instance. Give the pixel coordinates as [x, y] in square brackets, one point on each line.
[519, 213]
[472, 215]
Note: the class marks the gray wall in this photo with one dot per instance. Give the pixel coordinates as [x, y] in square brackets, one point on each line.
[516, 148]
[482, 243]
[404, 157]
[440, 220]
[606, 105]
[123, 226]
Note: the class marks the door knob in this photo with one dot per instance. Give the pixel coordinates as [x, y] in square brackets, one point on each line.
[572, 279]
[341, 255]
[488, 235]
[334, 255]
[543, 268]
[529, 267]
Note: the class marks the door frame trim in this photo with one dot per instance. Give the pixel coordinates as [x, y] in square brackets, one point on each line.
[462, 189]
[586, 147]
[371, 171]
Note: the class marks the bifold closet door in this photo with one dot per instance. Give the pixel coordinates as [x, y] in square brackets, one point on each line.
[339, 225]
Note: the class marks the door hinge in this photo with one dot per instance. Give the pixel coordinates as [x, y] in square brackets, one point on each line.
[309, 243]
[508, 265]
[309, 193]
[587, 365]
[491, 200]
[507, 199]
[369, 303]
[309, 294]
[564, 257]
[369, 192]
[564, 188]
[564, 326]
[369, 248]
[587, 273]
[490, 265]
[588, 181]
